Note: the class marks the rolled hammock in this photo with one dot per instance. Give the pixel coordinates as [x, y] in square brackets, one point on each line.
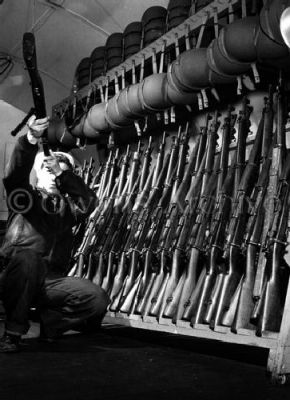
[237, 48]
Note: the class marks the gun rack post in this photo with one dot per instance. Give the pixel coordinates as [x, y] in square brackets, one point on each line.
[278, 343]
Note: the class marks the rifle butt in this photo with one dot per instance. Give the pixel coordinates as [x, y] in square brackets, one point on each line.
[119, 277]
[229, 314]
[260, 276]
[132, 275]
[128, 284]
[80, 266]
[156, 301]
[107, 280]
[144, 298]
[229, 287]
[73, 270]
[173, 301]
[144, 282]
[172, 283]
[98, 277]
[127, 303]
[116, 300]
[245, 305]
[91, 267]
[271, 313]
[189, 284]
[209, 299]
[152, 295]
[255, 316]
[190, 303]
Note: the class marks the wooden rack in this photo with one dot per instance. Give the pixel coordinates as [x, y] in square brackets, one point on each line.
[278, 344]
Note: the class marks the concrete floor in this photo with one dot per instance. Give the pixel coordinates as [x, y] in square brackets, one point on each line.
[124, 363]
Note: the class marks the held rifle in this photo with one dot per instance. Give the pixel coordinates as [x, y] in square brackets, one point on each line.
[30, 59]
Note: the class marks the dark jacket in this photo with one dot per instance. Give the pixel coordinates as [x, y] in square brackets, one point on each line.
[39, 221]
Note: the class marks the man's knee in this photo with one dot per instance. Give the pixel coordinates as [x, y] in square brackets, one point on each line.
[78, 296]
[94, 298]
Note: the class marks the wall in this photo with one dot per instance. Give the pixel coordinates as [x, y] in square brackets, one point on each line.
[9, 118]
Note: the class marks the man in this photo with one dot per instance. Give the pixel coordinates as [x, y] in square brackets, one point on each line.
[37, 245]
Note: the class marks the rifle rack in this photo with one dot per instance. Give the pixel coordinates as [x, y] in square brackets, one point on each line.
[278, 364]
[278, 344]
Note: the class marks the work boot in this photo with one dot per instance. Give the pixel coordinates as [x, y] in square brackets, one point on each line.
[9, 343]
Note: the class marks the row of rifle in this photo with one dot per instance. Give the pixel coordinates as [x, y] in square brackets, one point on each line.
[196, 237]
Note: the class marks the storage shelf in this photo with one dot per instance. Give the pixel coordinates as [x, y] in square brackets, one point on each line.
[191, 24]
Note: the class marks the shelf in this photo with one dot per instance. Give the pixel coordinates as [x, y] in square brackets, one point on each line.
[191, 24]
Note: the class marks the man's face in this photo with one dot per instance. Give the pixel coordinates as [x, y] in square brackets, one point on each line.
[46, 179]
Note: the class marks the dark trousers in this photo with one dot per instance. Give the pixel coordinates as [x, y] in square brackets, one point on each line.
[63, 302]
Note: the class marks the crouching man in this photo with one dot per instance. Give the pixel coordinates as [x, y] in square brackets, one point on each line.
[37, 246]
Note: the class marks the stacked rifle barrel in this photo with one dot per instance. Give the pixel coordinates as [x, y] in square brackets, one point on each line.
[198, 236]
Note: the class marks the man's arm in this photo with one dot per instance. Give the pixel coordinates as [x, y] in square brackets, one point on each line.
[84, 198]
[22, 158]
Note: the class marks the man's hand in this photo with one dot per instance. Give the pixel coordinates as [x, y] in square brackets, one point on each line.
[52, 164]
[36, 127]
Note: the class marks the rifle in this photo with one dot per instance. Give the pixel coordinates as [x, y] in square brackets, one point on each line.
[176, 279]
[183, 150]
[196, 296]
[105, 176]
[142, 233]
[271, 299]
[243, 129]
[232, 272]
[227, 136]
[159, 159]
[241, 307]
[180, 196]
[97, 177]
[238, 316]
[146, 164]
[134, 242]
[272, 190]
[211, 147]
[174, 209]
[142, 224]
[117, 240]
[29, 55]
[93, 235]
[158, 219]
[239, 187]
[120, 198]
